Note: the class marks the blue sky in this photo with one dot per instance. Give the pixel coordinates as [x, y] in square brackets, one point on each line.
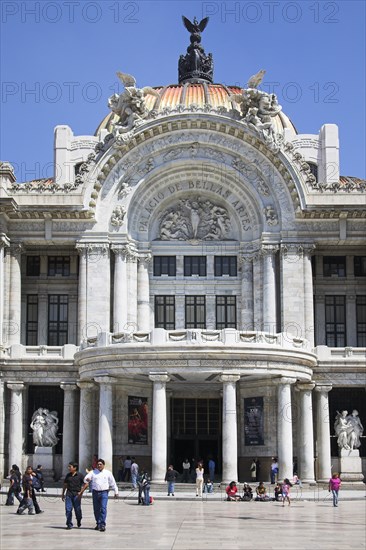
[59, 60]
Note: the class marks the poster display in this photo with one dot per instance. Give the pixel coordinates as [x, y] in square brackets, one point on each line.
[137, 420]
[253, 421]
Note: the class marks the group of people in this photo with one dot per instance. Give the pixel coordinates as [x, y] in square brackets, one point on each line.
[23, 488]
[281, 492]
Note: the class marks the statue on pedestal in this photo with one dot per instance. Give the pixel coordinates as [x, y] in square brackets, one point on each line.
[45, 426]
[349, 429]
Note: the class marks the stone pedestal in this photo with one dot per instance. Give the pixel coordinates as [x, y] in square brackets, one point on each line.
[44, 456]
[350, 466]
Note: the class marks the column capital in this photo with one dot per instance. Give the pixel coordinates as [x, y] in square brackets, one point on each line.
[229, 377]
[105, 380]
[68, 386]
[144, 258]
[87, 385]
[4, 241]
[323, 387]
[16, 386]
[159, 377]
[309, 249]
[125, 250]
[92, 250]
[268, 249]
[16, 249]
[305, 386]
[283, 380]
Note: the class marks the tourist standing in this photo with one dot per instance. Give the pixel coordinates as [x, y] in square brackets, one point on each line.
[199, 479]
[134, 473]
[211, 468]
[253, 470]
[127, 469]
[40, 478]
[171, 477]
[73, 484]
[334, 486]
[101, 480]
[274, 470]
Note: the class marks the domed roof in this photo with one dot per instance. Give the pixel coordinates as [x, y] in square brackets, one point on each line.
[201, 94]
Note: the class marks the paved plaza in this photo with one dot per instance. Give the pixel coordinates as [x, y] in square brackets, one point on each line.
[190, 524]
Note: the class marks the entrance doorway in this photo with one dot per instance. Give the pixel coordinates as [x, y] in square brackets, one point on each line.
[196, 432]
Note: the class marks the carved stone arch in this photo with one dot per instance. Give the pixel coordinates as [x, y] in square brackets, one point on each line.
[129, 169]
[181, 181]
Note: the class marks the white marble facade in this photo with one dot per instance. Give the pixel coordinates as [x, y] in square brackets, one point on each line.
[183, 182]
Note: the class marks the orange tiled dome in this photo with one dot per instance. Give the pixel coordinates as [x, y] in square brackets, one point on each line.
[216, 95]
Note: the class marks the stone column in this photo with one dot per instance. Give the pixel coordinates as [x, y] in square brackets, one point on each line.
[82, 293]
[257, 291]
[3, 243]
[2, 430]
[247, 309]
[305, 433]
[69, 425]
[143, 292]
[309, 294]
[159, 427]
[132, 289]
[323, 433]
[293, 302]
[86, 424]
[16, 423]
[229, 428]
[105, 431]
[269, 288]
[120, 298]
[284, 427]
[15, 294]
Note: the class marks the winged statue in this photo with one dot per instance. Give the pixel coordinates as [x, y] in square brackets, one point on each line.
[195, 27]
[256, 79]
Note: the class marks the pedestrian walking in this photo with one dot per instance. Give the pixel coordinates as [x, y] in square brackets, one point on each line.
[40, 478]
[199, 479]
[15, 488]
[27, 502]
[73, 484]
[101, 480]
[286, 486]
[334, 486]
[171, 477]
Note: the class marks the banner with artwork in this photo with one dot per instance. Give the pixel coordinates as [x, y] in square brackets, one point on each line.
[137, 420]
[253, 421]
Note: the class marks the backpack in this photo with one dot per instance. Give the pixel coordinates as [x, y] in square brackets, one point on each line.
[36, 484]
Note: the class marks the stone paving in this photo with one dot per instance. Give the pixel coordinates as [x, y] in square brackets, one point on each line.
[192, 524]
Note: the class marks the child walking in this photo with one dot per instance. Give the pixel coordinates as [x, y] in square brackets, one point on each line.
[286, 486]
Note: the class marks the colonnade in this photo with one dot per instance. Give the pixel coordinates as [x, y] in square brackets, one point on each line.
[131, 293]
[85, 429]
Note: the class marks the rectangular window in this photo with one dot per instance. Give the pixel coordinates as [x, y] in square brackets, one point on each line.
[359, 263]
[361, 321]
[335, 321]
[334, 265]
[195, 265]
[226, 265]
[33, 266]
[195, 312]
[57, 319]
[165, 265]
[225, 312]
[32, 320]
[59, 265]
[165, 312]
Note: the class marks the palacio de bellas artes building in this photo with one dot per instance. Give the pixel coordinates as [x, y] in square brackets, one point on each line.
[191, 283]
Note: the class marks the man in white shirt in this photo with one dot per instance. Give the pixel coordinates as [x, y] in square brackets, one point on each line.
[102, 480]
